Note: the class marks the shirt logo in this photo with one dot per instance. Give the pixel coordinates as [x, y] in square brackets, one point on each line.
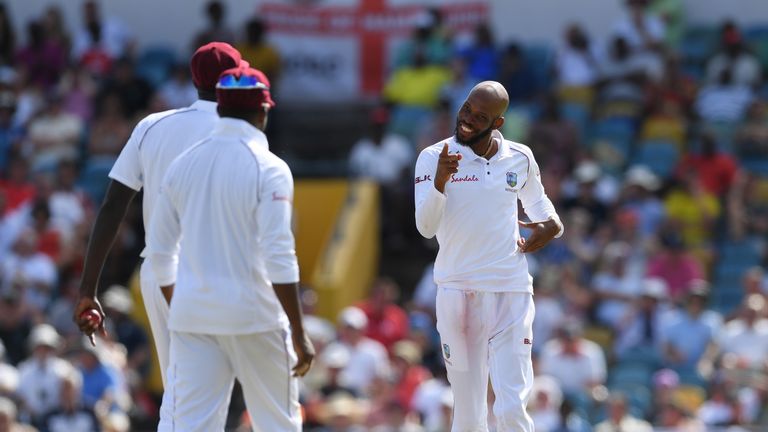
[446, 351]
[464, 179]
[423, 178]
[527, 341]
[276, 197]
[511, 179]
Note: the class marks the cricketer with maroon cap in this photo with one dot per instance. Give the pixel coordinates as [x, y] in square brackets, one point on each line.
[234, 282]
[155, 142]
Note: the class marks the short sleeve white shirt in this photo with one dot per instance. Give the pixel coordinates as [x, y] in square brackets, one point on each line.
[155, 142]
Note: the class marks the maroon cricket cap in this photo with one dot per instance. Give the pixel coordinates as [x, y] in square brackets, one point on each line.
[243, 88]
[210, 60]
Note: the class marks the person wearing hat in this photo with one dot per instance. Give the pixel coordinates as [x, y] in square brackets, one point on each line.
[155, 142]
[223, 253]
[639, 332]
[41, 376]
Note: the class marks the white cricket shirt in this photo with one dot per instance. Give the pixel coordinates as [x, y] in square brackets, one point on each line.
[226, 205]
[476, 219]
[155, 142]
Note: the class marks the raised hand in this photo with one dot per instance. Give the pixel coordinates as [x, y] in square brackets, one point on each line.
[447, 165]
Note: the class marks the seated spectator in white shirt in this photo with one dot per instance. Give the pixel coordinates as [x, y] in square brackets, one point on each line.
[733, 56]
[544, 407]
[621, 74]
[641, 28]
[179, 91]
[687, 340]
[53, 136]
[30, 271]
[9, 376]
[367, 358]
[746, 338]
[576, 61]
[71, 416]
[430, 400]
[41, 376]
[576, 363]
[724, 100]
[381, 156]
[616, 287]
[619, 419]
[640, 331]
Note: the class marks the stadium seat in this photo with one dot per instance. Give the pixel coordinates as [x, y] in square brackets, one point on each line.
[626, 374]
[699, 43]
[578, 114]
[94, 178]
[540, 60]
[660, 156]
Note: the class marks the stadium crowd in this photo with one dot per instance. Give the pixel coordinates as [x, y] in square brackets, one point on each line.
[653, 144]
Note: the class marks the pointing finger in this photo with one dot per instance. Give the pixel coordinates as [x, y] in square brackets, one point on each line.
[445, 150]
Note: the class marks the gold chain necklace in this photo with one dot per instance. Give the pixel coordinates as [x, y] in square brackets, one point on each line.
[490, 146]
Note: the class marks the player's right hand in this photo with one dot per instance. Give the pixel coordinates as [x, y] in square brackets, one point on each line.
[447, 165]
[306, 354]
[86, 326]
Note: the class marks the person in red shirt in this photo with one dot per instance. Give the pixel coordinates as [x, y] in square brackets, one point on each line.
[716, 170]
[409, 373]
[387, 322]
[49, 239]
[16, 187]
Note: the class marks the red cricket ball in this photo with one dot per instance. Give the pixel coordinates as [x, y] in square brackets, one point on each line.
[92, 315]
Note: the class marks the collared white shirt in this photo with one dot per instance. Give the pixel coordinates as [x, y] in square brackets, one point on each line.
[226, 203]
[155, 142]
[476, 219]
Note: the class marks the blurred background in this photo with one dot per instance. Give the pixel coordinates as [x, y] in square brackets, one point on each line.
[648, 119]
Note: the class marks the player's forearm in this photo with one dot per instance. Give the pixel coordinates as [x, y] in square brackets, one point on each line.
[288, 295]
[429, 212]
[103, 235]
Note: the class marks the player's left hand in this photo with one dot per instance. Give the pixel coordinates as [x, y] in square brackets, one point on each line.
[543, 233]
[306, 354]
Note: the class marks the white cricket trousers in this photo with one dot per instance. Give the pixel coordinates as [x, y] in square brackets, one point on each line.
[487, 332]
[203, 370]
[157, 314]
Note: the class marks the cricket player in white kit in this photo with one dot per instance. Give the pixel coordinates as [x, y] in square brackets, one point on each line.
[155, 142]
[467, 189]
[222, 250]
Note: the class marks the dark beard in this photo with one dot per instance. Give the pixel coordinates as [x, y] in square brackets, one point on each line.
[474, 139]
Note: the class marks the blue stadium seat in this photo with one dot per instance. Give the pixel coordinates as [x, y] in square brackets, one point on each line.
[699, 43]
[756, 166]
[658, 155]
[630, 374]
[94, 178]
[578, 114]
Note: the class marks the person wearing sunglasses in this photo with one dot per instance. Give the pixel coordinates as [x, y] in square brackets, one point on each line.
[154, 143]
[223, 253]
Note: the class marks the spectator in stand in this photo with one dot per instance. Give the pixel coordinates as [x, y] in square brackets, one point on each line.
[110, 128]
[622, 78]
[71, 415]
[9, 376]
[217, 29]
[751, 140]
[587, 176]
[431, 398]
[723, 100]
[259, 53]
[554, 139]
[30, 271]
[134, 92]
[576, 66]
[544, 408]
[43, 59]
[687, 339]
[118, 306]
[397, 420]
[11, 135]
[616, 285]
[53, 136]
[748, 207]
[641, 28]
[179, 91]
[734, 57]
[417, 84]
[639, 197]
[50, 241]
[639, 332]
[9, 417]
[715, 169]
[387, 322]
[429, 37]
[78, 87]
[666, 122]
[55, 31]
[106, 35]
[576, 363]
[71, 209]
[672, 14]
[101, 380]
[42, 375]
[481, 56]
[387, 158]
[619, 418]
[368, 359]
[408, 373]
[7, 37]
[516, 75]
[721, 409]
[674, 265]
[692, 210]
[746, 338]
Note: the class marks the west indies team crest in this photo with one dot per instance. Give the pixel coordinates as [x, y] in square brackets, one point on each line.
[446, 351]
[511, 179]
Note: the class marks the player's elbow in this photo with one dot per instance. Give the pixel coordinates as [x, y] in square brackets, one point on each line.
[426, 229]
